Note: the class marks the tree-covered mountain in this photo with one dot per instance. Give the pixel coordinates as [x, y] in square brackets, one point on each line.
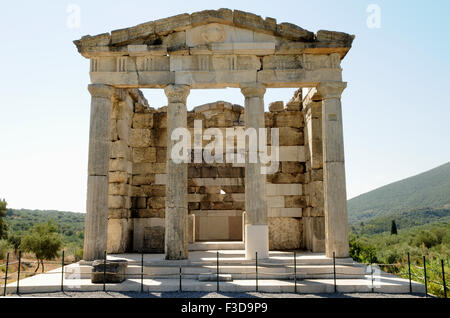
[425, 195]
[70, 224]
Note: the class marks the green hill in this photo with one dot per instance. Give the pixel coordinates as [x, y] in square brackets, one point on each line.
[70, 224]
[429, 191]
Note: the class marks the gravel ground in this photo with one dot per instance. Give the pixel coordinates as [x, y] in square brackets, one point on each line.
[213, 295]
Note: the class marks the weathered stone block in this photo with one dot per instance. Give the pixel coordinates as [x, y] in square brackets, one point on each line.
[141, 138]
[118, 177]
[284, 233]
[276, 106]
[289, 119]
[291, 136]
[292, 167]
[142, 120]
[147, 154]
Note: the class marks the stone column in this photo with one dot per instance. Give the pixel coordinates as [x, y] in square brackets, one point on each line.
[176, 219]
[96, 223]
[256, 228]
[335, 194]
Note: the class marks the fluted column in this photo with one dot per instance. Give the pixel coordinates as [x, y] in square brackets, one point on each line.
[96, 223]
[256, 227]
[176, 219]
[336, 220]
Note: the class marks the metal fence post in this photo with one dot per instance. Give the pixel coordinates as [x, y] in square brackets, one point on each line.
[104, 272]
[62, 272]
[18, 272]
[443, 278]
[295, 272]
[334, 272]
[6, 274]
[256, 264]
[180, 287]
[409, 273]
[217, 270]
[425, 275]
[142, 272]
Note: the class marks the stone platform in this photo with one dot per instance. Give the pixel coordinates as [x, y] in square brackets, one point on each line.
[275, 274]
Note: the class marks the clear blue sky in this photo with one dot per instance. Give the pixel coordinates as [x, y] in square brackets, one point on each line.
[396, 106]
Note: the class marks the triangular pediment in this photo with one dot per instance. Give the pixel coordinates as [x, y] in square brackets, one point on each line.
[212, 27]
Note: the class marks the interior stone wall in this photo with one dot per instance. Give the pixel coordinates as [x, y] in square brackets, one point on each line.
[216, 192]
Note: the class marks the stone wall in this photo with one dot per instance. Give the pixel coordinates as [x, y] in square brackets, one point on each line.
[285, 198]
[216, 191]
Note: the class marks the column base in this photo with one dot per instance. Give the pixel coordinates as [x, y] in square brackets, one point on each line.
[256, 240]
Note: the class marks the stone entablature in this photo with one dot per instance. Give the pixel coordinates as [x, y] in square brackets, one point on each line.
[222, 48]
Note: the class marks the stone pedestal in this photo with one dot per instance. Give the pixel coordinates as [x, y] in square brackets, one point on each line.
[96, 224]
[256, 230]
[116, 271]
[335, 195]
[176, 218]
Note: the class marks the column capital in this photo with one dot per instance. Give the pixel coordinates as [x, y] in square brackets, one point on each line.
[253, 89]
[101, 90]
[177, 93]
[330, 90]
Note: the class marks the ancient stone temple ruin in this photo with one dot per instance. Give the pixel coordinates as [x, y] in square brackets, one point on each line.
[140, 200]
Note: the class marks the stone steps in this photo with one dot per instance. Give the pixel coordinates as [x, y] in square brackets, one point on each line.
[279, 271]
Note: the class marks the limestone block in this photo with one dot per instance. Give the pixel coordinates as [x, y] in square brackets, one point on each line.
[118, 213]
[119, 149]
[317, 194]
[285, 212]
[292, 167]
[142, 120]
[275, 201]
[118, 176]
[176, 39]
[315, 234]
[298, 77]
[123, 129]
[116, 271]
[117, 202]
[118, 189]
[152, 63]
[282, 178]
[120, 164]
[113, 135]
[289, 119]
[250, 48]
[144, 238]
[291, 136]
[147, 154]
[317, 175]
[294, 32]
[253, 22]
[176, 23]
[224, 16]
[282, 62]
[283, 189]
[218, 181]
[141, 138]
[146, 179]
[218, 79]
[284, 233]
[160, 178]
[121, 110]
[276, 106]
[217, 33]
[150, 213]
[157, 202]
[291, 153]
[294, 201]
[148, 168]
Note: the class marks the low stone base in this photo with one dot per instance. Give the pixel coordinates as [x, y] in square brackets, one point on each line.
[116, 271]
[256, 240]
